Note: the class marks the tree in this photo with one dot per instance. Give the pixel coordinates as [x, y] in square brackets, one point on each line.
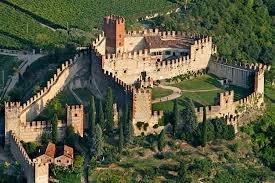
[98, 141]
[176, 117]
[70, 137]
[183, 173]
[189, 117]
[54, 128]
[92, 114]
[161, 141]
[45, 138]
[121, 136]
[125, 114]
[129, 131]
[101, 120]
[79, 162]
[109, 111]
[204, 129]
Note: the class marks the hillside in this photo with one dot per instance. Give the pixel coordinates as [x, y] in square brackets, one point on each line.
[44, 24]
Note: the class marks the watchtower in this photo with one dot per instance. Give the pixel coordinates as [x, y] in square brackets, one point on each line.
[75, 117]
[114, 30]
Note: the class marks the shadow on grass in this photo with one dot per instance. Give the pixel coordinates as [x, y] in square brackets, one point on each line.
[34, 16]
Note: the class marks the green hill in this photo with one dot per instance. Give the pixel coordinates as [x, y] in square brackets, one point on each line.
[44, 23]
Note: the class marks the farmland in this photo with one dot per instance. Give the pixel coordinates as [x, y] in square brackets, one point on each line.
[44, 24]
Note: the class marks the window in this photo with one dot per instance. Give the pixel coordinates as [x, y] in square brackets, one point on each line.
[75, 115]
[119, 36]
[168, 53]
[119, 44]
[125, 71]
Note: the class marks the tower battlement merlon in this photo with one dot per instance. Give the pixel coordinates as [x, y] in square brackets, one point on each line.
[134, 54]
[9, 105]
[75, 107]
[112, 19]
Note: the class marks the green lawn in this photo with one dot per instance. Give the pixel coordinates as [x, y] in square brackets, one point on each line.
[21, 21]
[160, 92]
[201, 98]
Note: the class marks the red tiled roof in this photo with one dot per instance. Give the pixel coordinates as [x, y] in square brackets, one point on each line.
[50, 151]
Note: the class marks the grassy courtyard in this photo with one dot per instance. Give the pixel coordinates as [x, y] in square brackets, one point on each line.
[160, 92]
[201, 90]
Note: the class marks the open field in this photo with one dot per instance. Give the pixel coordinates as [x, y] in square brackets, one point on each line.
[201, 90]
[27, 24]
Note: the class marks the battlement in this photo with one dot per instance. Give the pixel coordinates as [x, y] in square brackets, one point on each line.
[21, 149]
[51, 82]
[135, 54]
[12, 105]
[142, 90]
[114, 19]
[119, 81]
[158, 113]
[98, 40]
[75, 107]
[248, 66]
[39, 125]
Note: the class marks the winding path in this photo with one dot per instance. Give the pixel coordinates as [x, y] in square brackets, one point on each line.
[177, 92]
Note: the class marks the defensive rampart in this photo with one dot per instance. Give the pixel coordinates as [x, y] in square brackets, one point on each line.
[34, 172]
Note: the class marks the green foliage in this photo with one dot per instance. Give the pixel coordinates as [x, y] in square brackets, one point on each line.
[45, 138]
[129, 130]
[109, 111]
[101, 120]
[92, 117]
[31, 148]
[204, 129]
[54, 122]
[176, 117]
[70, 138]
[188, 116]
[161, 141]
[121, 137]
[79, 162]
[98, 141]
[241, 29]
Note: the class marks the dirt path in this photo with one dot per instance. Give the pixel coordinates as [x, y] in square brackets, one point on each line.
[177, 92]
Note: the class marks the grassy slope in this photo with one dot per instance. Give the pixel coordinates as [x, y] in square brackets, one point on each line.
[85, 15]
[8, 64]
[160, 92]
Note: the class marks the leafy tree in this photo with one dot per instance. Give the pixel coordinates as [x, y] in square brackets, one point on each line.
[79, 162]
[98, 141]
[109, 111]
[189, 118]
[54, 122]
[31, 148]
[161, 141]
[121, 136]
[70, 137]
[176, 117]
[101, 120]
[183, 176]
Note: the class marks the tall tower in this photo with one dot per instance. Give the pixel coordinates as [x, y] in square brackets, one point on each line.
[114, 29]
[75, 117]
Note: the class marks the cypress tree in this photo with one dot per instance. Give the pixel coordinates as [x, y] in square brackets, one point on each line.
[125, 115]
[101, 121]
[54, 128]
[129, 129]
[176, 117]
[92, 114]
[109, 111]
[121, 136]
[98, 141]
[189, 116]
[161, 141]
[204, 129]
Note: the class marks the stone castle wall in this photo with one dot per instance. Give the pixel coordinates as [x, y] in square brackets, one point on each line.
[128, 66]
[225, 106]
[34, 172]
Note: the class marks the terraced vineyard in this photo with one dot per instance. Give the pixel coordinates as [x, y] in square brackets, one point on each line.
[44, 23]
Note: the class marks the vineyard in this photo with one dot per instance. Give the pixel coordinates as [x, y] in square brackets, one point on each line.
[44, 23]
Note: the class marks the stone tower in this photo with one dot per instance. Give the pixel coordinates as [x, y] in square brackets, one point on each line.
[259, 81]
[114, 29]
[12, 119]
[75, 117]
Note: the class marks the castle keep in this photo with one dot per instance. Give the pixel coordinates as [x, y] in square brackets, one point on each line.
[134, 58]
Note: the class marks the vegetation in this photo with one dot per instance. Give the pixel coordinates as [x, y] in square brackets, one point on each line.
[54, 123]
[109, 112]
[8, 65]
[45, 25]
[160, 92]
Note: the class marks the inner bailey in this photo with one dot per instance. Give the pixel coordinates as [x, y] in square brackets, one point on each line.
[34, 172]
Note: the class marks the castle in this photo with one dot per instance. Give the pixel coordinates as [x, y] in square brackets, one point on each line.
[137, 58]
[130, 62]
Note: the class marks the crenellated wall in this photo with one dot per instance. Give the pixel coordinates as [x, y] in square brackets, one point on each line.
[34, 172]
